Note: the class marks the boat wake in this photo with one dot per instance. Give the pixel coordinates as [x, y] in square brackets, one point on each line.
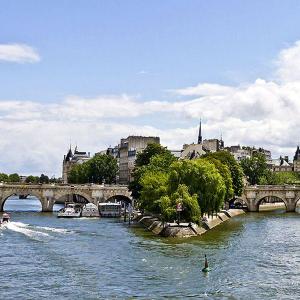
[58, 230]
[34, 232]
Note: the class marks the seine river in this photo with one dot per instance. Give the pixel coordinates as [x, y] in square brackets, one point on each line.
[255, 256]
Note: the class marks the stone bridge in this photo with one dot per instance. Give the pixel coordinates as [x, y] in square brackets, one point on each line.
[254, 195]
[49, 194]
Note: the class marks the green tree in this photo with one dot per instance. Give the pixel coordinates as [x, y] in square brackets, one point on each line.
[226, 175]
[100, 168]
[4, 177]
[14, 177]
[32, 179]
[234, 167]
[203, 179]
[143, 158]
[255, 168]
[44, 179]
[154, 186]
[279, 178]
[154, 157]
[191, 210]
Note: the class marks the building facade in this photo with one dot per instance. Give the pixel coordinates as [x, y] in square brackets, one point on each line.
[128, 149]
[296, 162]
[192, 151]
[71, 159]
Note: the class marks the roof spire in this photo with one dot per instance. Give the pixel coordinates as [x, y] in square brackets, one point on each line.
[200, 134]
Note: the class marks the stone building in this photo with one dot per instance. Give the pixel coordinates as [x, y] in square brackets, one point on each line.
[191, 151]
[281, 165]
[239, 152]
[296, 162]
[71, 159]
[128, 149]
[242, 152]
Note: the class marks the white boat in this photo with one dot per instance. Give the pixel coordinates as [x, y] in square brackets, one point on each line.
[110, 209]
[90, 210]
[5, 218]
[76, 210]
[71, 210]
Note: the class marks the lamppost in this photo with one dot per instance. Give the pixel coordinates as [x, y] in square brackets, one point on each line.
[179, 210]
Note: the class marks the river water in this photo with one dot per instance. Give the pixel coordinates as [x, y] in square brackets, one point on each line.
[255, 256]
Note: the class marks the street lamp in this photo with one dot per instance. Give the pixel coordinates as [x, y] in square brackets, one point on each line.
[179, 210]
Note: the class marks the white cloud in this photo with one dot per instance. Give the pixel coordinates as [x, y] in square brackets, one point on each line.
[18, 53]
[34, 135]
[288, 63]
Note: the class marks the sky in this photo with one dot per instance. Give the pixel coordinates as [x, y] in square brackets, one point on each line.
[92, 72]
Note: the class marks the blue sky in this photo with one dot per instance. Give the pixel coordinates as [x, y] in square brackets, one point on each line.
[89, 48]
[144, 51]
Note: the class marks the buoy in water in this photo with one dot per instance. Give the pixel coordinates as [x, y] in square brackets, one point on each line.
[206, 267]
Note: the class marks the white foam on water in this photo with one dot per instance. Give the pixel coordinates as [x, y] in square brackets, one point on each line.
[23, 228]
[58, 230]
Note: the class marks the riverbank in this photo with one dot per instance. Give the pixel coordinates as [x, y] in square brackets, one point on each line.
[186, 229]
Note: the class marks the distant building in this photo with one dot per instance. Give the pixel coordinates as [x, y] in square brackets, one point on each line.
[281, 165]
[128, 149]
[296, 162]
[71, 159]
[243, 152]
[192, 151]
[238, 152]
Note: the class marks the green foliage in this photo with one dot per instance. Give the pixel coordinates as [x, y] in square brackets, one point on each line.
[278, 178]
[203, 179]
[14, 177]
[226, 175]
[143, 158]
[154, 157]
[102, 168]
[255, 168]
[44, 179]
[98, 169]
[197, 184]
[191, 209]
[154, 186]
[3, 177]
[32, 179]
[235, 169]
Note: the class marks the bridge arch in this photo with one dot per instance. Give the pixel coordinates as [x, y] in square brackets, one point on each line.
[7, 195]
[240, 202]
[119, 198]
[63, 194]
[261, 198]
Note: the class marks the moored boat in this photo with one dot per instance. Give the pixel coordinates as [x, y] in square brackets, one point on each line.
[112, 210]
[71, 210]
[77, 210]
[90, 210]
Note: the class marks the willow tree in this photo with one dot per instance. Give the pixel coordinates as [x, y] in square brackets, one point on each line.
[235, 169]
[226, 175]
[203, 179]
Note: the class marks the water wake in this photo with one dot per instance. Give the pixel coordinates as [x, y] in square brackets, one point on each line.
[34, 232]
[23, 228]
[58, 230]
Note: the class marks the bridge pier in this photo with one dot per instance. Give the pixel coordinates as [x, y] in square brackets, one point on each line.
[47, 204]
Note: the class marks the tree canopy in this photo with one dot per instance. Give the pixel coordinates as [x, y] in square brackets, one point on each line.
[255, 168]
[100, 168]
[160, 158]
[14, 177]
[234, 167]
[197, 184]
